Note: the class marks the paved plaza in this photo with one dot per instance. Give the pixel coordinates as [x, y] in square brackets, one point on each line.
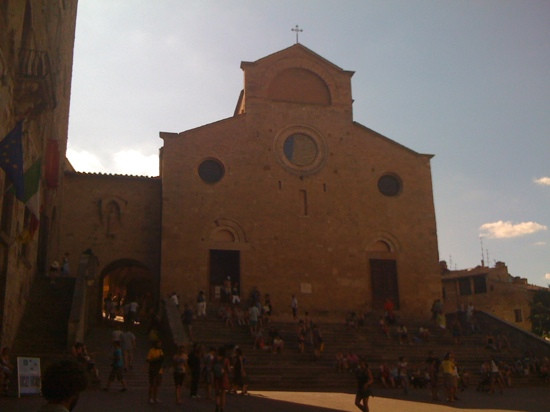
[522, 399]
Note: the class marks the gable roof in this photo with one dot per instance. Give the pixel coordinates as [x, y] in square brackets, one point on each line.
[299, 48]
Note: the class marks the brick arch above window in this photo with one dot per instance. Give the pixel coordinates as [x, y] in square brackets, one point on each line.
[298, 85]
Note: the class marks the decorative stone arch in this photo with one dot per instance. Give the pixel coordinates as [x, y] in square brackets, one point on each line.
[311, 70]
[312, 88]
[130, 278]
[382, 252]
[110, 211]
[226, 231]
[383, 243]
[224, 241]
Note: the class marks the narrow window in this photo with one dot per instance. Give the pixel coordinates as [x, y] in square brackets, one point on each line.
[518, 314]
[304, 199]
[465, 286]
[480, 285]
[280, 185]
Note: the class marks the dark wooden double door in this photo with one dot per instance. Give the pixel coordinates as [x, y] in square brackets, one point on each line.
[384, 282]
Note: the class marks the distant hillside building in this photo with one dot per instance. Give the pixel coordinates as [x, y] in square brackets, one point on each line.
[289, 195]
[491, 289]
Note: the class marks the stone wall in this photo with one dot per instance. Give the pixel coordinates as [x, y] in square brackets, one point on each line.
[117, 217]
[36, 56]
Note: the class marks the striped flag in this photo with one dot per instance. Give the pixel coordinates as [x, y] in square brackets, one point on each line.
[32, 187]
[11, 159]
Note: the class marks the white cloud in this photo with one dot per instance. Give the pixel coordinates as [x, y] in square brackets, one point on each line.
[545, 181]
[133, 162]
[84, 161]
[125, 162]
[541, 243]
[502, 230]
[547, 276]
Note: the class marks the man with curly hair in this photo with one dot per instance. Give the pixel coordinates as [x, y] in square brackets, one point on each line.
[61, 386]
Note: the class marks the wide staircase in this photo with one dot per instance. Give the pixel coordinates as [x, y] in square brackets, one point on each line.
[43, 329]
[292, 370]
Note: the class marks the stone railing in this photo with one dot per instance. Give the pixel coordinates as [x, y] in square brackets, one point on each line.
[79, 318]
[518, 337]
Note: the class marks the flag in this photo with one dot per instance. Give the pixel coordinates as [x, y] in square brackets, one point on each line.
[11, 158]
[32, 186]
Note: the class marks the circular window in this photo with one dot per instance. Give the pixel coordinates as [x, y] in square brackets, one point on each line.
[300, 149]
[389, 185]
[211, 171]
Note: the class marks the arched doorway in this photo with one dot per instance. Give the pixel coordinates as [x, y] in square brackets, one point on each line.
[383, 273]
[126, 280]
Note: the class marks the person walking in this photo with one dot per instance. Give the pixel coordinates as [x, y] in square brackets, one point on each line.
[240, 378]
[128, 344]
[294, 307]
[155, 358]
[221, 378]
[194, 363]
[117, 367]
[180, 364]
[364, 381]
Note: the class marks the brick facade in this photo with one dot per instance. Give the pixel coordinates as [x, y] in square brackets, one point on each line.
[118, 219]
[301, 215]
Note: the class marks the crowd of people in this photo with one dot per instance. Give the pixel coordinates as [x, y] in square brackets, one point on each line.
[213, 372]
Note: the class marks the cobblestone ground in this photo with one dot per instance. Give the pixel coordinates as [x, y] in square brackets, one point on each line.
[533, 399]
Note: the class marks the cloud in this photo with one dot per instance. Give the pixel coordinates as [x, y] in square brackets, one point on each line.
[133, 162]
[503, 230]
[547, 276]
[541, 243]
[125, 162]
[545, 181]
[84, 161]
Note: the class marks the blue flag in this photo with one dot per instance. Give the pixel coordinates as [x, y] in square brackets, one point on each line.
[11, 159]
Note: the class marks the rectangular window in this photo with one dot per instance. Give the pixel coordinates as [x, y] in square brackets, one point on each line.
[465, 286]
[480, 284]
[518, 314]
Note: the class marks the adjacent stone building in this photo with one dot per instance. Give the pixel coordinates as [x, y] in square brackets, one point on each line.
[36, 55]
[491, 289]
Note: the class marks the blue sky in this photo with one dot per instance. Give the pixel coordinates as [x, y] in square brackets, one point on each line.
[465, 80]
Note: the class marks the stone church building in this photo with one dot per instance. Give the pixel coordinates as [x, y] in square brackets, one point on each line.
[289, 195]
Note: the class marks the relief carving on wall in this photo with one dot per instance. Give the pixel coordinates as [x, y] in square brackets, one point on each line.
[111, 210]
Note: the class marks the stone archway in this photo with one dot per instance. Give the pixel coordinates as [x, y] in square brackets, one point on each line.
[126, 280]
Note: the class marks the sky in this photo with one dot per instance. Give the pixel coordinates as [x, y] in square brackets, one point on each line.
[465, 80]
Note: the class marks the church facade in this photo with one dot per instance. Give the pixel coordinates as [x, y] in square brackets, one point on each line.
[291, 196]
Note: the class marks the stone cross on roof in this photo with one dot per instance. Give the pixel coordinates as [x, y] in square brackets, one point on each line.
[297, 29]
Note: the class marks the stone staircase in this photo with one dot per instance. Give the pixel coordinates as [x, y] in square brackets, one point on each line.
[294, 371]
[100, 348]
[43, 328]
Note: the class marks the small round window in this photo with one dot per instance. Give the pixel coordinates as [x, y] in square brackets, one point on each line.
[389, 185]
[211, 171]
[300, 149]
